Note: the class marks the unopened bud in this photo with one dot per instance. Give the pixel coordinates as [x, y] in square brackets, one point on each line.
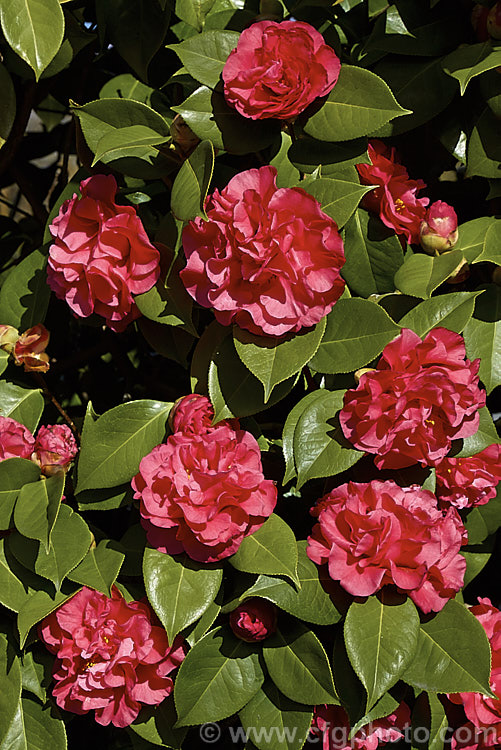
[439, 229]
[30, 349]
[8, 338]
[494, 21]
[362, 371]
[183, 136]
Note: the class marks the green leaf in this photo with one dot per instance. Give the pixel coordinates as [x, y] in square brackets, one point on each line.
[7, 105]
[204, 55]
[357, 331]
[359, 104]
[36, 672]
[218, 677]
[109, 498]
[320, 448]
[421, 274]
[12, 592]
[171, 305]
[486, 435]
[471, 60]
[179, 589]
[234, 390]
[205, 623]
[339, 198]
[70, 541]
[373, 255]
[287, 174]
[35, 608]
[271, 550]
[39, 728]
[155, 724]
[273, 722]
[472, 235]
[10, 687]
[193, 12]
[429, 713]
[484, 340]
[491, 249]
[22, 404]
[310, 603]
[14, 473]
[384, 707]
[299, 667]
[453, 654]
[479, 555]
[484, 520]
[452, 311]
[288, 434]
[484, 147]
[273, 361]
[100, 567]
[381, 641]
[34, 30]
[113, 144]
[113, 446]
[192, 183]
[25, 294]
[37, 508]
[335, 158]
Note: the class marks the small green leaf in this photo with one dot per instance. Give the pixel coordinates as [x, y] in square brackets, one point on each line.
[37, 508]
[358, 105]
[484, 340]
[486, 435]
[484, 147]
[34, 30]
[10, 688]
[287, 174]
[192, 183]
[218, 677]
[421, 274]
[298, 665]
[22, 404]
[179, 589]
[471, 60]
[271, 550]
[452, 311]
[204, 55]
[288, 434]
[339, 198]
[14, 473]
[25, 294]
[471, 237]
[492, 242]
[274, 722]
[12, 591]
[36, 607]
[113, 143]
[155, 724]
[100, 567]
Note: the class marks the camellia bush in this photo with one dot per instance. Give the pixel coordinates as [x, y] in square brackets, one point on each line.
[250, 334]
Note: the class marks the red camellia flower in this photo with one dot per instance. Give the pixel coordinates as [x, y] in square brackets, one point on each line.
[267, 259]
[254, 620]
[16, 441]
[203, 493]
[470, 481]
[55, 448]
[101, 255]
[439, 228]
[278, 69]
[332, 725]
[112, 656]
[194, 414]
[484, 713]
[395, 197]
[423, 395]
[374, 534]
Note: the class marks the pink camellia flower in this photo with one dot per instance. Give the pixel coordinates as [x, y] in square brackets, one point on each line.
[101, 255]
[421, 397]
[439, 229]
[394, 200]
[278, 69]
[203, 493]
[194, 414]
[332, 725]
[55, 448]
[484, 713]
[112, 656]
[374, 534]
[16, 441]
[470, 481]
[29, 349]
[267, 259]
[254, 620]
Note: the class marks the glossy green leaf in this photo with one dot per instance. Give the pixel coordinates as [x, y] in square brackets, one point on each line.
[273, 361]
[287, 174]
[334, 158]
[192, 183]
[484, 147]
[339, 198]
[13, 593]
[310, 602]
[113, 446]
[204, 55]
[373, 255]
[385, 706]
[471, 60]
[429, 714]
[171, 305]
[274, 722]
[14, 473]
[486, 435]
[357, 331]
[358, 105]
[491, 250]
[179, 589]
[10, 688]
[288, 434]
[482, 521]
[218, 677]
[34, 29]
[100, 567]
[113, 144]
[320, 448]
[155, 724]
[7, 105]
[271, 550]
[421, 274]
[109, 498]
[381, 641]
[22, 404]
[452, 311]
[25, 294]
[193, 12]
[36, 671]
[35, 608]
[453, 654]
[472, 236]
[37, 508]
[484, 340]
[299, 667]
[479, 555]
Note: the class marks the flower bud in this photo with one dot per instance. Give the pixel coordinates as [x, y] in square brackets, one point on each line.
[254, 620]
[479, 22]
[8, 338]
[439, 229]
[494, 21]
[183, 136]
[30, 349]
[460, 273]
[358, 374]
[55, 448]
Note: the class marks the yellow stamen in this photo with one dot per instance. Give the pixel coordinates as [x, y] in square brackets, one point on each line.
[399, 205]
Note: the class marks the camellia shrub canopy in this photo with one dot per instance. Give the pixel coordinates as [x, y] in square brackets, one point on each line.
[250, 334]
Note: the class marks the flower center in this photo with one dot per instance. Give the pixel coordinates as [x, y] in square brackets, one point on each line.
[399, 205]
